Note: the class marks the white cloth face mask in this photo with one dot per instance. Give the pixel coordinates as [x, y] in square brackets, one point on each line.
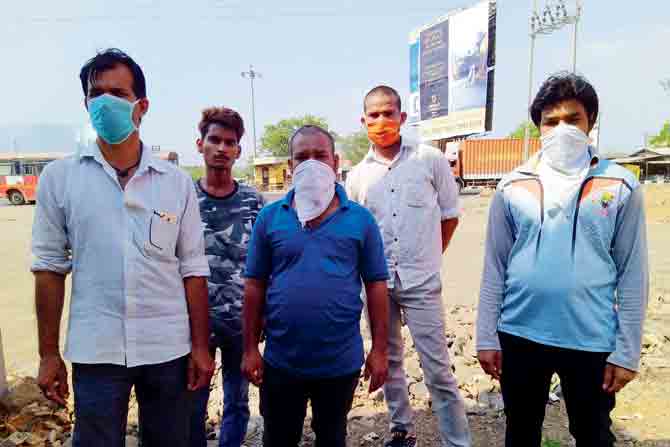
[566, 149]
[314, 186]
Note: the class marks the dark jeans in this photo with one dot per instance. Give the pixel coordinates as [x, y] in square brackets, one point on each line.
[235, 397]
[284, 406]
[526, 378]
[101, 395]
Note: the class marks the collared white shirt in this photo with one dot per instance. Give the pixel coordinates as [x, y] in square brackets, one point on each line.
[128, 251]
[409, 196]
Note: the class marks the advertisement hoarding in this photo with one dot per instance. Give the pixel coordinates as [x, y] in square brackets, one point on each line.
[451, 73]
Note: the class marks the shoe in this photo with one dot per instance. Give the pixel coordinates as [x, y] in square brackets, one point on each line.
[400, 438]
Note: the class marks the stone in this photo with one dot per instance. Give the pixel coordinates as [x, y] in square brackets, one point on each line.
[361, 413]
[21, 394]
[492, 400]
[378, 396]
[420, 391]
[16, 438]
[472, 407]
[369, 438]
[413, 368]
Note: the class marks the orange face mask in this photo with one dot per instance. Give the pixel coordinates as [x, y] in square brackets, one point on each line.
[384, 133]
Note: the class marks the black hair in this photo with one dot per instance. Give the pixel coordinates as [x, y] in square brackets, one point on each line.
[561, 87]
[310, 129]
[386, 91]
[108, 59]
[224, 117]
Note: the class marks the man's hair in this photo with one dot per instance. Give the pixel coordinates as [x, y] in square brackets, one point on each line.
[383, 90]
[561, 87]
[107, 60]
[310, 129]
[224, 117]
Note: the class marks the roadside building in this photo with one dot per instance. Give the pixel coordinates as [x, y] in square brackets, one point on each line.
[271, 173]
[651, 165]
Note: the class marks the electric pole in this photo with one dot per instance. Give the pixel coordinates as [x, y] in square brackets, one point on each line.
[252, 75]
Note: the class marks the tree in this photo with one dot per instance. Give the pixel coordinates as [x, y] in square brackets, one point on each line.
[520, 131]
[663, 137]
[355, 146]
[275, 136]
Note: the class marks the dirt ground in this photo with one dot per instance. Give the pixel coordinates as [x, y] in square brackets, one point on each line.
[643, 408]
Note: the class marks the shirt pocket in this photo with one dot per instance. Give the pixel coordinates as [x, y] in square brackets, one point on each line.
[162, 234]
[416, 195]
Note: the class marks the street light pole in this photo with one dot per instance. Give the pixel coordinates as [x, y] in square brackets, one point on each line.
[252, 74]
[531, 59]
[578, 13]
[553, 17]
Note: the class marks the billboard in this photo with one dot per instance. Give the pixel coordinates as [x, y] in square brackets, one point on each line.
[451, 73]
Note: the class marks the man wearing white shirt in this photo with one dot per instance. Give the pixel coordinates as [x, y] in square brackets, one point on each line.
[411, 191]
[128, 228]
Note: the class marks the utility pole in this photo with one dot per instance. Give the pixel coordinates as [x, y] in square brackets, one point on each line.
[526, 134]
[553, 17]
[252, 75]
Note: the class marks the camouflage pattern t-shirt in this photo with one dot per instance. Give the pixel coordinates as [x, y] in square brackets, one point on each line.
[227, 226]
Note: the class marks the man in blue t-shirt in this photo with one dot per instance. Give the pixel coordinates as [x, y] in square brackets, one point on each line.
[306, 258]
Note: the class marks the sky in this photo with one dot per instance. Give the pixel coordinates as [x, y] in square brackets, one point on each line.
[315, 57]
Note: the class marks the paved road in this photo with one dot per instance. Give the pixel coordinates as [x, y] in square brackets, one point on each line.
[4, 202]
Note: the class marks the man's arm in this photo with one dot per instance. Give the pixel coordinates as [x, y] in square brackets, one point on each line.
[447, 198]
[194, 270]
[51, 263]
[49, 299]
[448, 229]
[631, 258]
[252, 326]
[201, 365]
[376, 365]
[499, 241]
[257, 272]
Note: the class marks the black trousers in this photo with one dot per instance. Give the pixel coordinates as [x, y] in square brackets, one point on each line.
[284, 406]
[526, 378]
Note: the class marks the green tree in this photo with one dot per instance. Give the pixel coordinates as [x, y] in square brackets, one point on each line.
[520, 131]
[355, 145]
[275, 136]
[663, 137]
[196, 172]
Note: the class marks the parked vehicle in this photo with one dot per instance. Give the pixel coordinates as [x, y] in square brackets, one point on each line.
[485, 162]
[19, 174]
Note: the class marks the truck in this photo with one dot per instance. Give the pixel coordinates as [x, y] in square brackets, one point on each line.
[483, 162]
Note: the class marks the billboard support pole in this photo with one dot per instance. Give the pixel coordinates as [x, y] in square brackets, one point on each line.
[526, 134]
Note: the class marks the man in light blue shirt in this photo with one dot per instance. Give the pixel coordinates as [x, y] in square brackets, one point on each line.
[565, 281]
[127, 226]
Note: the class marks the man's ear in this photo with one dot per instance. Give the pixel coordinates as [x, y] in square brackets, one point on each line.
[337, 163]
[198, 143]
[141, 110]
[239, 151]
[363, 122]
[403, 118]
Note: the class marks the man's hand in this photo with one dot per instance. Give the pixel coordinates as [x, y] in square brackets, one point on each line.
[252, 366]
[616, 378]
[491, 362]
[376, 369]
[200, 369]
[52, 379]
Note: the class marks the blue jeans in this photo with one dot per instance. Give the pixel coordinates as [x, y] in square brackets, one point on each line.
[101, 395]
[235, 396]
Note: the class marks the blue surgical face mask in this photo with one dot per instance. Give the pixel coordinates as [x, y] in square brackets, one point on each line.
[112, 118]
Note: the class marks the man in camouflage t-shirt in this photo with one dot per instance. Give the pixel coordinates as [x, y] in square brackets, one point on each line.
[228, 210]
